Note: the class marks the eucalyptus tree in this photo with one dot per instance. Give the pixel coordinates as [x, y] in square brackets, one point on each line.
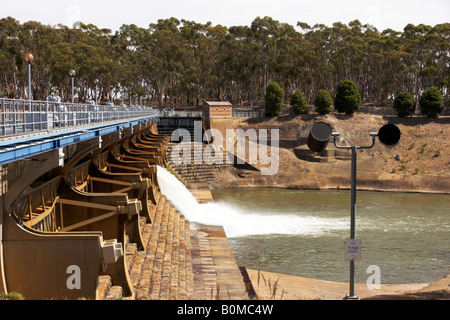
[131, 50]
[215, 81]
[63, 61]
[184, 62]
[168, 50]
[265, 32]
[11, 57]
[194, 34]
[39, 39]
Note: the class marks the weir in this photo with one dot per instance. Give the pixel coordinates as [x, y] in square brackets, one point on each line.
[81, 211]
[83, 216]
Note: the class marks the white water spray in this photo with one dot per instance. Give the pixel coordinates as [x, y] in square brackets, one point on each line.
[236, 221]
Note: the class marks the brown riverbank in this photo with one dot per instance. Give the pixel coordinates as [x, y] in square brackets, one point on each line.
[420, 162]
[275, 286]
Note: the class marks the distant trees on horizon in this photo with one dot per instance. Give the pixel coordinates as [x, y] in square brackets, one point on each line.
[178, 62]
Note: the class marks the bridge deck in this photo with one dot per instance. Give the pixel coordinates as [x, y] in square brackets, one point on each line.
[18, 147]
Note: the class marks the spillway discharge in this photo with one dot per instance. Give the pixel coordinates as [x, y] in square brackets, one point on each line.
[237, 221]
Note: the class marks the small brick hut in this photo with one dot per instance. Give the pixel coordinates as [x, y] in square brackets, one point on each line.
[217, 109]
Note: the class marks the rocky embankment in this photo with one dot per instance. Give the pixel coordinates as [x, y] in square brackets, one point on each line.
[420, 162]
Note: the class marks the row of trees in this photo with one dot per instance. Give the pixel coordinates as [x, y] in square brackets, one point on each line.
[348, 100]
[184, 62]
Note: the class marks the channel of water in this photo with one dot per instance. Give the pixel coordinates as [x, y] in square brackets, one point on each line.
[302, 232]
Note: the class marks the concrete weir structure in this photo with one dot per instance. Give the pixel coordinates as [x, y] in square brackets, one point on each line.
[86, 219]
[77, 213]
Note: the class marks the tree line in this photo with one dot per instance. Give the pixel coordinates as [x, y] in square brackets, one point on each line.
[181, 63]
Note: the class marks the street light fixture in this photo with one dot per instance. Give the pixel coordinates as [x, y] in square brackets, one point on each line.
[29, 58]
[320, 134]
[72, 73]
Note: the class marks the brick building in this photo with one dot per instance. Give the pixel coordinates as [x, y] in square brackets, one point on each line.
[217, 109]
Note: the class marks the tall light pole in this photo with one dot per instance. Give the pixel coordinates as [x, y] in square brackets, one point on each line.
[72, 73]
[318, 138]
[29, 58]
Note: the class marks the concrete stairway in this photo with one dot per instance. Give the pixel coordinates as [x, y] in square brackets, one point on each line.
[169, 130]
[182, 261]
[164, 269]
[196, 172]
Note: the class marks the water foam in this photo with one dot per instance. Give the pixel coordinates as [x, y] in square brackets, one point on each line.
[236, 221]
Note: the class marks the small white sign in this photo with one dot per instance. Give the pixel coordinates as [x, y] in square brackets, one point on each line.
[353, 249]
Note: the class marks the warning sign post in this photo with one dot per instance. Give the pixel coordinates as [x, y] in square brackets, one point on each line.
[353, 249]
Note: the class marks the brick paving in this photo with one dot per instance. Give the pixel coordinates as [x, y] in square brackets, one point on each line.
[216, 274]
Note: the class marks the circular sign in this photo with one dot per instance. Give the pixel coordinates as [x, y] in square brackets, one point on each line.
[389, 134]
[318, 136]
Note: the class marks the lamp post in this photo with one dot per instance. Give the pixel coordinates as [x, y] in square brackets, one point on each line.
[72, 73]
[318, 138]
[29, 58]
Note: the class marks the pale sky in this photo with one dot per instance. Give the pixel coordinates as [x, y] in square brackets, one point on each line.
[112, 14]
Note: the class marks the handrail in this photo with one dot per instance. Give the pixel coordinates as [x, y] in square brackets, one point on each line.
[25, 116]
[199, 114]
[247, 114]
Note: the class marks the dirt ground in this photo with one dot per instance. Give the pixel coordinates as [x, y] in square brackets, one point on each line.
[275, 286]
[423, 147]
[420, 162]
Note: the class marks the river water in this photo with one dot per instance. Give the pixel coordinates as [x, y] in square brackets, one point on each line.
[406, 235]
[297, 232]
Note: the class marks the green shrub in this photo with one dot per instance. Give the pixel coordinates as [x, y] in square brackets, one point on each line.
[431, 102]
[299, 105]
[274, 99]
[438, 153]
[323, 102]
[404, 104]
[347, 97]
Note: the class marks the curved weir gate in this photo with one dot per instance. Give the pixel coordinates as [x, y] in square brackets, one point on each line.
[82, 215]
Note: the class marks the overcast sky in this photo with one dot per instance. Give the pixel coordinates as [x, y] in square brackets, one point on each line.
[383, 14]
